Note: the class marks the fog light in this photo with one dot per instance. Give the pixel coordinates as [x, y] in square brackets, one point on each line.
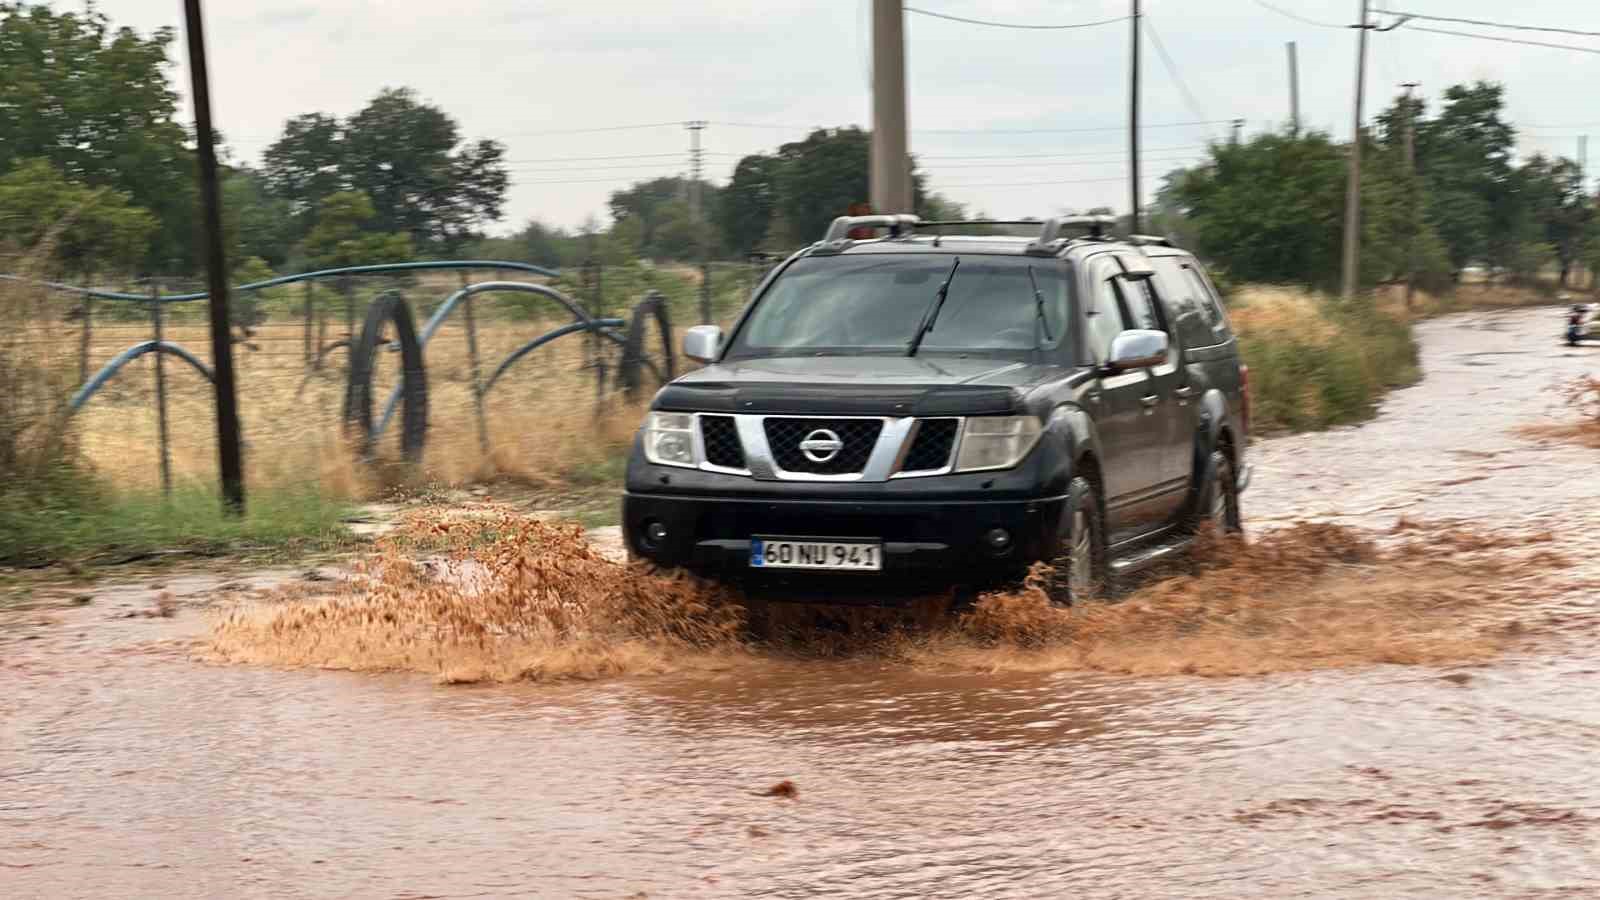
[654, 532]
[998, 540]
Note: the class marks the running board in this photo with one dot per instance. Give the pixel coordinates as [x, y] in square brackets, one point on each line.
[1149, 556]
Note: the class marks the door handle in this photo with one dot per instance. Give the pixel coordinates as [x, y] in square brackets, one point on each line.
[1184, 392]
[1150, 400]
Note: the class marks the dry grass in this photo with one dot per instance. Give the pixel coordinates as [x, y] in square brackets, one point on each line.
[1317, 361]
[543, 420]
[1582, 395]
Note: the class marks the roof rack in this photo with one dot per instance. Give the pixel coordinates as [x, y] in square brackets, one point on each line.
[1050, 235]
[1150, 240]
[839, 229]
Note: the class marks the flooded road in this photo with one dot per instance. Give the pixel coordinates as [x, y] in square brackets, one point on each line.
[128, 768]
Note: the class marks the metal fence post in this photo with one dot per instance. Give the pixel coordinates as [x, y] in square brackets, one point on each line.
[161, 389]
[348, 290]
[705, 292]
[477, 369]
[309, 349]
[83, 341]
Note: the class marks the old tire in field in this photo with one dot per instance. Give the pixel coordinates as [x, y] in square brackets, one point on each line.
[636, 362]
[1079, 570]
[1219, 500]
[389, 307]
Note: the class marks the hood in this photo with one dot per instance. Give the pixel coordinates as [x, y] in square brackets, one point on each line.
[855, 385]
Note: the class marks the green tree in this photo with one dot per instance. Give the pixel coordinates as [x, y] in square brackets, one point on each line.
[660, 208]
[745, 213]
[1464, 157]
[406, 156]
[95, 102]
[86, 229]
[255, 223]
[342, 238]
[1554, 193]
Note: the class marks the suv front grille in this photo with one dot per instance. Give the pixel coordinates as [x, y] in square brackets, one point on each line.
[858, 436]
[930, 450]
[721, 437]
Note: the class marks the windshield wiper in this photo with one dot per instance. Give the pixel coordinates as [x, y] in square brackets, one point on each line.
[932, 315]
[1038, 305]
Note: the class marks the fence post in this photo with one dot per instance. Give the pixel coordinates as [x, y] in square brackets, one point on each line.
[161, 389]
[347, 289]
[477, 368]
[309, 349]
[83, 341]
[705, 292]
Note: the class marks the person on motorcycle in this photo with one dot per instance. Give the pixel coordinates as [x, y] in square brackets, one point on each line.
[1575, 328]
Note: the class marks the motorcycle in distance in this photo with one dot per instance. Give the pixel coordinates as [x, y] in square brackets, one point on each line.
[1576, 326]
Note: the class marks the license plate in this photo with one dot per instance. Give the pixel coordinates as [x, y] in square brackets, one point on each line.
[804, 553]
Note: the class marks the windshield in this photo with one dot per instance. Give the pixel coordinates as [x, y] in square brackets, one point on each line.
[873, 304]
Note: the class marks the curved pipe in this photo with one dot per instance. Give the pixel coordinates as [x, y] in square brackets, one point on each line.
[303, 276]
[127, 356]
[483, 287]
[546, 338]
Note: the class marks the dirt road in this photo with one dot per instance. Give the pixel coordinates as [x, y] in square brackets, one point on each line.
[128, 769]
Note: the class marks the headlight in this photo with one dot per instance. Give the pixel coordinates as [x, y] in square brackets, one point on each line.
[996, 442]
[669, 439]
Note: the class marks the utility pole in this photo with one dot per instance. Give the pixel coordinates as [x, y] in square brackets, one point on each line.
[1135, 203]
[230, 455]
[891, 169]
[1413, 218]
[1583, 180]
[1238, 125]
[697, 214]
[1352, 199]
[1294, 90]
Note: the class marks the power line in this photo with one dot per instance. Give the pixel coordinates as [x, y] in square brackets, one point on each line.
[1556, 30]
[1172, 68]
[1031, 183]
[938, 15]
[1066, 155]
[992, 130]
[1081, 162]
[1298, 18]
[677, 124]
[594, 158]
[1505, 40]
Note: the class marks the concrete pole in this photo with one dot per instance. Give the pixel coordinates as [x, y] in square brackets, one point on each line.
[1294, 90]
[891, 160]
[1352, 199]
[1136, 199]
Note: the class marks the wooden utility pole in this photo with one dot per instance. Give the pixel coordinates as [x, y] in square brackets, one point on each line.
[229, 452]
[890, 168]
[1136, 204]
[1352, 199]
[1294, 90]
[1413, 214]
[1238, 126]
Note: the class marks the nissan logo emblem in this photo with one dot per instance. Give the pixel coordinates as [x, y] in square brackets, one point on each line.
[821, 445]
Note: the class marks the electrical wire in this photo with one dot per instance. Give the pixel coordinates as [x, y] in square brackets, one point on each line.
[1172, 69]
[1298, 18]
[992, 130]
[1030, 183]
[921, 158]
[939, 15]
[1547, 28]
[1505, 40]
[594, 158]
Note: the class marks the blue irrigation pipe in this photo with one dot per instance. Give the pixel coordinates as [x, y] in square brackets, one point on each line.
[546, 338]
[585, 323]
[127, 356]
[381, 269]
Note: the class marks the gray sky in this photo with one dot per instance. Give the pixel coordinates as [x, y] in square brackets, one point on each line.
[517, 71]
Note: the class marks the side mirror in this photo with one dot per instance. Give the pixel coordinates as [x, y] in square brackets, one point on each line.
[1138, 349]
[702, 343]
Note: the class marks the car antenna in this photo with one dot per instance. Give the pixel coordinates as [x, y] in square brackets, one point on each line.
[1038, 305]
[932, 315]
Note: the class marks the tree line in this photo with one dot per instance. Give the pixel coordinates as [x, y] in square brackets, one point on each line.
[1272, 208]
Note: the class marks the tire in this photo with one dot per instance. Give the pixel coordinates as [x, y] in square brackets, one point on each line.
[1079, 571]
[1219, 502]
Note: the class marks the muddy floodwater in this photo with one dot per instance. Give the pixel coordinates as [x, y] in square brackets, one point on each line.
[132, 767]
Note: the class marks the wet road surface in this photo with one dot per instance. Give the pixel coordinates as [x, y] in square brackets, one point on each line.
[127, 769]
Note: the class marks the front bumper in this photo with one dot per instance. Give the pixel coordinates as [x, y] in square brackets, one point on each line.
[942, 539]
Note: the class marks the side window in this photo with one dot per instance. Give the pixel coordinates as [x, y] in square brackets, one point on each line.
[1143, 308]
[1103, 314]
[1194, 308]
[1210, 306]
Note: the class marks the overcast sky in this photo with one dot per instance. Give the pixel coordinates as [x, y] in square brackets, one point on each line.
[983, 100]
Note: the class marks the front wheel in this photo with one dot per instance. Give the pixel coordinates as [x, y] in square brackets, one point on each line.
[1079, 570]
[1219, 502]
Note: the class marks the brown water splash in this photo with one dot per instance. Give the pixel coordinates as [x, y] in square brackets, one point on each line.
[520, 598]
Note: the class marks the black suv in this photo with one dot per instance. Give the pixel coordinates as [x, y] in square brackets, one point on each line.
[924, 402]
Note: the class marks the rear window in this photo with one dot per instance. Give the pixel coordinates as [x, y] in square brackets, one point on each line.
[1196, 312]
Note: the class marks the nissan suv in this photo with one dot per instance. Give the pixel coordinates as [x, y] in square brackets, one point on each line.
[902, 402]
